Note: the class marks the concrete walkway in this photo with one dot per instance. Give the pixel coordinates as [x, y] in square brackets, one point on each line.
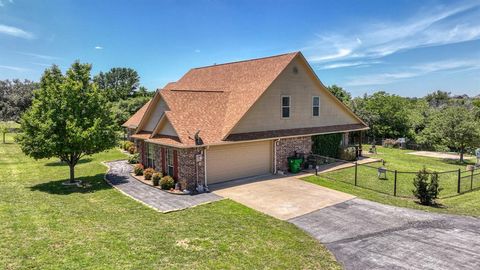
[281, 197]
[368, 235]
[119, 177]
[343, 165]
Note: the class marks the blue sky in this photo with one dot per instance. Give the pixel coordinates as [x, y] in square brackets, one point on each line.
[405, 47]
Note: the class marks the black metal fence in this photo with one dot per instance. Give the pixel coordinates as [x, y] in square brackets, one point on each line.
[376, 177]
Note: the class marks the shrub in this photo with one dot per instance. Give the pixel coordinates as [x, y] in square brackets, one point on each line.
[148, 173]
[127, 145]
[133, 159]
[326, 145]
[156, 177]
[138, 169]
[348, 153]
[167, 182]
[427, 187]
[131, 149]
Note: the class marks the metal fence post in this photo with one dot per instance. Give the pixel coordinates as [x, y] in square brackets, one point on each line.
[356, 172]
[395, 184]
[459, 180]
[471, 180]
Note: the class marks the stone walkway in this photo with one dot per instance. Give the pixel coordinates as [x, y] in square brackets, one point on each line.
[119, 177]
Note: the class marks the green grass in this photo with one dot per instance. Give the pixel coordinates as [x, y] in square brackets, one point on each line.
[371, 188]
[402, 162]
[45, 225]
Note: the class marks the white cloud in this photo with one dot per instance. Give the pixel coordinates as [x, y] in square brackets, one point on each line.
[40, 56]
[17, 69]
[197, 50]
[414, 71]
[349, 64]
[436, 26]
[98, 48]
[342, 52]
[15, 32]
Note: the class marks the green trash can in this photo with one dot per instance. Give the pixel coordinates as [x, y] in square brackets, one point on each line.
[294, 164]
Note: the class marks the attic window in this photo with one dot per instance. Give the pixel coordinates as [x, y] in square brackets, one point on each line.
[316, 106]
[285, 106]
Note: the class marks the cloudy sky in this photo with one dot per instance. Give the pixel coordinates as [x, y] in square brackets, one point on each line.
[404, 47]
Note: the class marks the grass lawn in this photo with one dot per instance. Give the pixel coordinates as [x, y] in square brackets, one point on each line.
[49, 226]
[396, 159]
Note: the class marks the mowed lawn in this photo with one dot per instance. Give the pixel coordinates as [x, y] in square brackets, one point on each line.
[381, 190]
[45, 225]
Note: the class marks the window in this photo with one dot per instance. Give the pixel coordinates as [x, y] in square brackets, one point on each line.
[150, 155]
[285, 106]
[315, 106]
[170, 162]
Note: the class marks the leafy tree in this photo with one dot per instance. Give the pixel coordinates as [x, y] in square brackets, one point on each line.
[453, 127]
[143, 92]
[438, 98]
[118, 83]
[340, 93]
[124, 109]
[427, 187]
[68, 118]
[386, 114]
[15, 98]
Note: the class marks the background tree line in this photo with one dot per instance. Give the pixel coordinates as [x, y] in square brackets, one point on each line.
[437, 121]
[121, 86]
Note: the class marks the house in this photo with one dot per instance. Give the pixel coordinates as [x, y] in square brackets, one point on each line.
[235, 120]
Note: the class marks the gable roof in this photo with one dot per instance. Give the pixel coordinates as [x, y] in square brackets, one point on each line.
[213, 99]
[135, 119]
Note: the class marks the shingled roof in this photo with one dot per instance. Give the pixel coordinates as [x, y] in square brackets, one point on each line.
[213, 99]
[133, 121]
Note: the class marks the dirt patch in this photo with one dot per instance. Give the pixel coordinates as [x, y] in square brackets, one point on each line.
[438, 155]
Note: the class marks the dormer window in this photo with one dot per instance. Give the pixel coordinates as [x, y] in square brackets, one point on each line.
[285, 106]
[316, 106]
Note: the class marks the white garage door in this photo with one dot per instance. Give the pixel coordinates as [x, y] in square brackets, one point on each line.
[228, 162]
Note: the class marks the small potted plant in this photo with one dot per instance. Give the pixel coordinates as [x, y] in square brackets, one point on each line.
[156, 177]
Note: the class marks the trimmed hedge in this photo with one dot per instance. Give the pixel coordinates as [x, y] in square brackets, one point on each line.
[327, 145]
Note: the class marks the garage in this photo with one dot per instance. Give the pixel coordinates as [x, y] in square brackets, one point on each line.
[228, 162]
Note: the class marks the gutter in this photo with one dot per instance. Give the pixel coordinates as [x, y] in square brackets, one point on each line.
[257, 140]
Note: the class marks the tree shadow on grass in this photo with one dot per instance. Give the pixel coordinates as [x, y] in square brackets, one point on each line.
[434, 205]
[458, 162]
[61, 163]
[90, 184]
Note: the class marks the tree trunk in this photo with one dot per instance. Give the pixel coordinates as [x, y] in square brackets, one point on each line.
[72, 173]
[3, 138]
[461, 155]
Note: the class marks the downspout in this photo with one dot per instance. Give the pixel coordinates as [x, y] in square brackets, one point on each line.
[275, 155]
[205, 165]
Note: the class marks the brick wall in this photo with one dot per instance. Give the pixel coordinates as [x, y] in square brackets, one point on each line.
[288, 146]
[140, 148]
[187, 167]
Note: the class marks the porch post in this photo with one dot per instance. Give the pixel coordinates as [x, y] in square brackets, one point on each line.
[360, 144]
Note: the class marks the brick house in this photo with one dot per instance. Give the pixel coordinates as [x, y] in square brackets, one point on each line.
[235, 120]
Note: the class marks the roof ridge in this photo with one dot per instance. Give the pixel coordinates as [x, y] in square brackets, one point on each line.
[247, 60]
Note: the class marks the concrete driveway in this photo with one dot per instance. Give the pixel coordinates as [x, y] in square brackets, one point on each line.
[281, 197]
[368, 235]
